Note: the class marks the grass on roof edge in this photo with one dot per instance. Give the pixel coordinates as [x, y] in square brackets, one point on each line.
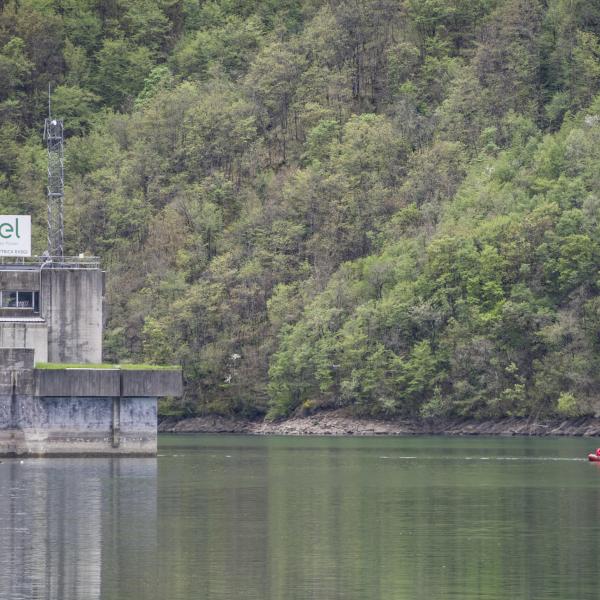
[123, 366]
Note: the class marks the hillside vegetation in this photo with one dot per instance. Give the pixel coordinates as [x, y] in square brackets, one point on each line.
[391, 206]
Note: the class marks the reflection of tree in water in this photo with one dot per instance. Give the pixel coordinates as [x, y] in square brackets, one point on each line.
[296, 518]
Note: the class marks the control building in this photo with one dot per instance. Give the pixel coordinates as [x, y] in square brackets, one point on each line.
[53, 308]
[51, 312]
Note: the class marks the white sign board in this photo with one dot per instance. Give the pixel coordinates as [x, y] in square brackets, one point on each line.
[15, 235]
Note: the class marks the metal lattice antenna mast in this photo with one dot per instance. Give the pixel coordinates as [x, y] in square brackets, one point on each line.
[54, 138]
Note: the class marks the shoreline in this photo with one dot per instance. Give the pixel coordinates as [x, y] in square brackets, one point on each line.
[336, 424]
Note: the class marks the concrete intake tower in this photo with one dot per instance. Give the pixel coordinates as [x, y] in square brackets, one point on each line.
[55, 396]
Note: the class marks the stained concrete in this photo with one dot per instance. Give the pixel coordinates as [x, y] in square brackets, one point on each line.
[152, 383]
[26, 334]
[84, 382]
[81, 383]
[51, 412]
[68, 326]
[20, 279]
[16, 358]
[32, 426]
[71, 304]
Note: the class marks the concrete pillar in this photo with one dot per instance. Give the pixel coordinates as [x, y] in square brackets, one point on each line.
[71, 304]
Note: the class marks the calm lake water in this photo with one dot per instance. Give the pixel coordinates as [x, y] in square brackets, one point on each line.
[223, 517]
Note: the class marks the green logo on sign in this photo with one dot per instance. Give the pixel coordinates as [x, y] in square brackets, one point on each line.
[8, 229]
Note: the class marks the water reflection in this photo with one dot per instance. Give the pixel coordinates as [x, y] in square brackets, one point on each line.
[56, 516]
[226, 518]
[334, 519]
[213, 526]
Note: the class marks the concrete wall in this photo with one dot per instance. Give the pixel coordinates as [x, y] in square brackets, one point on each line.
[15, 359]
[26, 280]
[31, 426]
[152, 383]
[46, 412]
[83, 383]
[71, 303]
[15, 331]
[71, 306]
[107, 382]
[23, 334]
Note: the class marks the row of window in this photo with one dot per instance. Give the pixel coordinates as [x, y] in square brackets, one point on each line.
[20, 299]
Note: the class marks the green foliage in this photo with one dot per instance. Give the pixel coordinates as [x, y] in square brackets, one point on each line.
[76, 106]
[14, 67]
[567, 405]
[122, 69]
[391, 207]
[124, 366]
[229, 47]
[160, 78]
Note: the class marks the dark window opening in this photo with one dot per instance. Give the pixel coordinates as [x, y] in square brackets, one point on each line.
[9, 299]
[20, 300]
[25, 300]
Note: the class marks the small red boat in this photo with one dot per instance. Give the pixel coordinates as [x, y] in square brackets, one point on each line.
[593, 458]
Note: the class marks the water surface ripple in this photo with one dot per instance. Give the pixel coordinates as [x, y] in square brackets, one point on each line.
[228, 517]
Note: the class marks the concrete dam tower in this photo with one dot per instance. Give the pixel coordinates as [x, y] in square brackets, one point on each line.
[53, 307]
[56, 398]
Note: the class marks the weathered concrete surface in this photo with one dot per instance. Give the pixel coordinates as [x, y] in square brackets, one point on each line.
[26, 280]
[77, 382]
[76, 426]
[23, 334]
[67, 412]
[152, 383]
[107, 382]
[16, 358]
[22, 328]
[5, 411]
[336, 423]
[69, 325]
[71, 304]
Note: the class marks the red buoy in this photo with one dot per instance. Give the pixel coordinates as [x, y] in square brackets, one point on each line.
[593, 458]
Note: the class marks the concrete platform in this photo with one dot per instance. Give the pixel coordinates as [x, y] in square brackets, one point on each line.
[79, 412]
[71, 426]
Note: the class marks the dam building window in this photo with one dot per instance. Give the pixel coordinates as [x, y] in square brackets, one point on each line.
[18, 299]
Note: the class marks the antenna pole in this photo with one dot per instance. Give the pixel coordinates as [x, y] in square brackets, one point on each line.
[54, 138]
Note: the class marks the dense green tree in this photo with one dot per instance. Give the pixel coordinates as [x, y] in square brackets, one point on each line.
[390, 207]
[122, 69]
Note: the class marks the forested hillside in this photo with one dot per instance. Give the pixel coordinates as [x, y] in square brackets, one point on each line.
[392, 206]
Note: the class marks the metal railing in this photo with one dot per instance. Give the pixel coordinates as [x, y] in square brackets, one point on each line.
[51, 262]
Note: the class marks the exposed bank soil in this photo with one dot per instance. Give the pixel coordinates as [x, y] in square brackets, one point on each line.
[336, 423]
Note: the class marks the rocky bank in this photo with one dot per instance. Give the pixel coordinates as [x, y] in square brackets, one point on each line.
[335, 423]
